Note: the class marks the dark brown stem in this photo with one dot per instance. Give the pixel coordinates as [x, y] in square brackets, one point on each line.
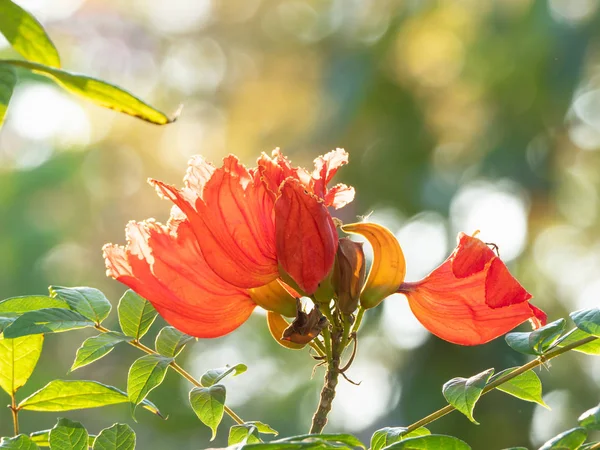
[331, 380]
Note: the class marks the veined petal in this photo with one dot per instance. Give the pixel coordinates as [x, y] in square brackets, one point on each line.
[389, 266]
[471, 305]
[276, 168]
[233, 224]
[305, 235]
[165, 266]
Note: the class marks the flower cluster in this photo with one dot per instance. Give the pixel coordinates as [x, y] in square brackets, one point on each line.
[240, 237]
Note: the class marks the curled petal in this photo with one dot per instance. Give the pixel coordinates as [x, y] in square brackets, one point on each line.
[274, 297]
[165, 266]
[339, 195]
[306, 237]
[326, 167]
[468, 304]
[233, 224]
[389, 266]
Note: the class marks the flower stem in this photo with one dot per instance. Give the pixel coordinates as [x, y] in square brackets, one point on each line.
[358, 320]
[509, 376]
[331, 379]
[177, 368]
[15, 413]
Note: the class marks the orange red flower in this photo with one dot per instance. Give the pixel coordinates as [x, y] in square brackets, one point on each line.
[471, 298]
[233, 233]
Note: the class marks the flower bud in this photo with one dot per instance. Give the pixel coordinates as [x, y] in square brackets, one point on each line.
[349, 274]
[388, 268]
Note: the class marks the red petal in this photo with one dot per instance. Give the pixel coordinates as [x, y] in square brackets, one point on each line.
[275, 169]
[471, 256]
[306, 236]
[165, 266]
[501, 288]
[325, 169]
[339, 195]
[476, 307]
[233, 223]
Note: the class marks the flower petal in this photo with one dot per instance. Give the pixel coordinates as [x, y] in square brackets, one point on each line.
[326, 167]
[233, 223]
[389, 266]
[274, 297]
[339, 195]
[276, 168]
[464, 303]
[471, 256]
[306, 237]
[165, 266]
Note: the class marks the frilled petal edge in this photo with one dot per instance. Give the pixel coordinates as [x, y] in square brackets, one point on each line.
[165, 266]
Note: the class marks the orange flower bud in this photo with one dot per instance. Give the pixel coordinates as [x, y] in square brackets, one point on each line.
[349, 274]
[388, 268]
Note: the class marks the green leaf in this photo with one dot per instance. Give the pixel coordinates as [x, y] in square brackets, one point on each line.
[88, 302]
[334, 439]
[20, 305]
[213, 376]
[27, 35]
[118, 437]
[591, 348]
[388, 435]
[589, 446]
[49, 320]
[463, 393]
[136, 314]
[170, 341]
[588, 320]
[538, 341]
[569, 440]
[42, 438]
[145, 374]
[68, 435]
[247, 433]
[6, 320]
[96, 347]
[63, 395]
[98, 91]
[18, 358]
[20, 442]
[209, 403]
[430, 442]
[526, 386]
[590, 419]
[8, 80]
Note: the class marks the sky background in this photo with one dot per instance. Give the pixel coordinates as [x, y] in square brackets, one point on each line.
[457, 115]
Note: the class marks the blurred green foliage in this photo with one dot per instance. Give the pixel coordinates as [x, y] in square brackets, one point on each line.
[429, 98]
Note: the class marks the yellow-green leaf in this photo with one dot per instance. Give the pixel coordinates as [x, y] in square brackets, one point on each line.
[209, 404]
[18, 358]
[27, 35]
[98, 91]
[20, 442]
[136, 314]
[68, 435]
[526, 386]
[118, 437]
[8, 80]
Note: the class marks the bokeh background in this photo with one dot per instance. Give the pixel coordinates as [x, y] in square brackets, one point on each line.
[458, 115]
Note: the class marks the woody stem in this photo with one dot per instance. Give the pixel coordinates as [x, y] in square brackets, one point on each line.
[509, 376]
[15, 413]
[177, 368]
[331, 379]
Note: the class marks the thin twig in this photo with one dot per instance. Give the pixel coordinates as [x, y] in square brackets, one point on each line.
[177, 368]
[509, 376]
[15, 413]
